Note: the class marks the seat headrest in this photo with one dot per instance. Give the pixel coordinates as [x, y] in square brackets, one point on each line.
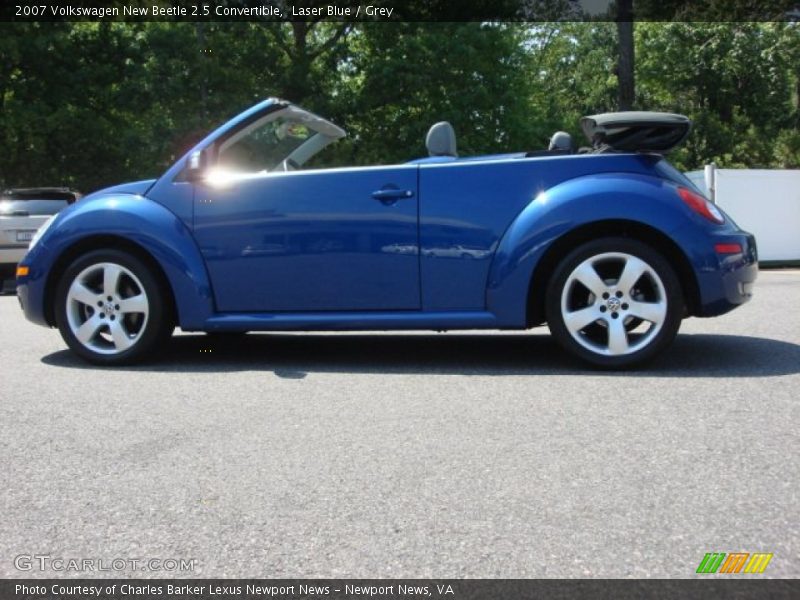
[561, 140]
[441, 140]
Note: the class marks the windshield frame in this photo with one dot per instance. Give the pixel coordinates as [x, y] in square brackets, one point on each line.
[325, 134]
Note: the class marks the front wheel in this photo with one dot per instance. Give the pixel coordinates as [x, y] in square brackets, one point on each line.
[111, 310]
[614, 302]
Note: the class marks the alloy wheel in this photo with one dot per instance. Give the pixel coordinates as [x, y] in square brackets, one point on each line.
[107, 308]
[614, 304]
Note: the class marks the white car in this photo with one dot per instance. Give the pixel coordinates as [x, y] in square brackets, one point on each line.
[22, 212]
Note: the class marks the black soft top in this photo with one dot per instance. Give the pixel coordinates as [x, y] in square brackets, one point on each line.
[636, 131]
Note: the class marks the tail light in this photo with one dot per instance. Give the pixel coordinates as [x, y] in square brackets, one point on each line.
[700, 205]
[728, 248]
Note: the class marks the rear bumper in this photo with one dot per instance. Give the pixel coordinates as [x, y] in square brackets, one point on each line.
[7, 275]
[726, 280]
[11, 255]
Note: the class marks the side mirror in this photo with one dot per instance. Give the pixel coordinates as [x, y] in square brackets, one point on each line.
[195, 165]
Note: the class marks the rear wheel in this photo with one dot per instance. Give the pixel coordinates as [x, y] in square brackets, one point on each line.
[111, 310]
[614, 302]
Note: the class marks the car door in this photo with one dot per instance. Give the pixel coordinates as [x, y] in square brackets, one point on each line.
[322, 240]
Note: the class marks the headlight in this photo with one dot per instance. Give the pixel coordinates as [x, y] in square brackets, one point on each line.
[40, 232]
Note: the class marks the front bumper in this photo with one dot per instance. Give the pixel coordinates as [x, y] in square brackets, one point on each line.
[31, 290]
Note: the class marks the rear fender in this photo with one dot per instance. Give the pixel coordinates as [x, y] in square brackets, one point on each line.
[553, 213]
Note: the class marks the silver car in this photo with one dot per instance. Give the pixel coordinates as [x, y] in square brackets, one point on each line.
[22, 212]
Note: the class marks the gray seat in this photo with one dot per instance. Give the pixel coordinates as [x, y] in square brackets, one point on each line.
[441, 140]
[561, 141]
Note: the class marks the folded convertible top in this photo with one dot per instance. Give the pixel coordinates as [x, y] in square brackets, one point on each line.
[636, 131]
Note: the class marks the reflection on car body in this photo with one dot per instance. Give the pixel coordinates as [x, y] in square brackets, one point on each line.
[457, 251]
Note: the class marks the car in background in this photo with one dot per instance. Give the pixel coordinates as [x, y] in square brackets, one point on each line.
[22, 212]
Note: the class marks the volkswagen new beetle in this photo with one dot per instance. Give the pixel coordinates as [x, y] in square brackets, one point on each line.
[609, 245]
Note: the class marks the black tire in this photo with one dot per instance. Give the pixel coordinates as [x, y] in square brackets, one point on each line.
[147, 332]
[593, 342]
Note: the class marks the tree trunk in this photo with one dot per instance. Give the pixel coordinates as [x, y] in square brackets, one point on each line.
[625, 59]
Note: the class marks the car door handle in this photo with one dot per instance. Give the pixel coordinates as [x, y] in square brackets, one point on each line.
[389, 194]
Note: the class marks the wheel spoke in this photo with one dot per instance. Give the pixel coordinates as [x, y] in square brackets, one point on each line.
[631, 273]
[649, 311]
[617, 336]
[134, 304]
[111, 275]
[577, 320]
[80, 293]
[586, 274]
[121, 338]
[86, 332]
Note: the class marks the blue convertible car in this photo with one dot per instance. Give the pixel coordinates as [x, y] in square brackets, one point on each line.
[609, 245]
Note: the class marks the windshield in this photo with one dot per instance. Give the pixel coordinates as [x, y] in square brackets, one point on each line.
[280, 141]
[265, 147]
[23, 207]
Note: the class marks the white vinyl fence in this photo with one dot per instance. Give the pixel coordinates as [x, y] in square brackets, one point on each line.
[764, 202]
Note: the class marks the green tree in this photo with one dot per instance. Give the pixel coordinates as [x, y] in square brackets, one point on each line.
[91, 104]
[403, 77]
[572, 71]
[733, 79]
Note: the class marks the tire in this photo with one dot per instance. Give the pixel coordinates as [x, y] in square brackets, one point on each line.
[112, 310]
[604, 290]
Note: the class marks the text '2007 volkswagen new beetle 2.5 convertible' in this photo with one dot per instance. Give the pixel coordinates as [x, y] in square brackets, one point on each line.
[610, 246]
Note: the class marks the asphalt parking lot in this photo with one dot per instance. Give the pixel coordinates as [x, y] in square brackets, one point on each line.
[420, 455]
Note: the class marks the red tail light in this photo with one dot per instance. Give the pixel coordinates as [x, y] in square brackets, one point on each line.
[700, 205]
[728, 248]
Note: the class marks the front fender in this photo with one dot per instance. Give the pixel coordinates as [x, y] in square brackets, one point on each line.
[612, 196]
[134, 219]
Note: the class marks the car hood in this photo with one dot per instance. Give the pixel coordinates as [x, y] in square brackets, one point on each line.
[637, 131]
[133, 187]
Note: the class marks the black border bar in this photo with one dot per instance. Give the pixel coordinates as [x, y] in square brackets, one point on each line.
[396, 10]
[701, 588]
